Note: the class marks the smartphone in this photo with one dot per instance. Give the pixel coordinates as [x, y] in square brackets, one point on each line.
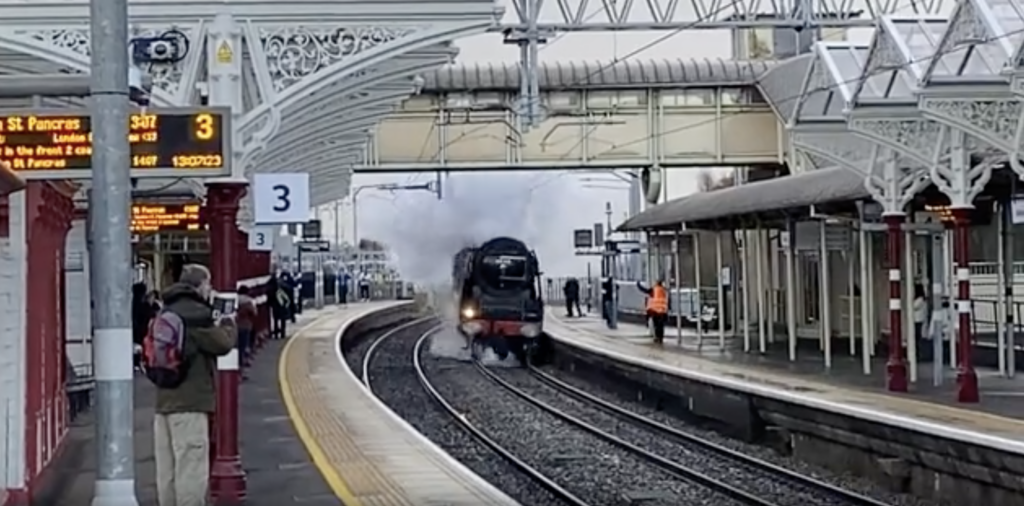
[224, 305]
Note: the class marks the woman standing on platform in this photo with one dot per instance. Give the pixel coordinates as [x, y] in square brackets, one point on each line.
[920, 310]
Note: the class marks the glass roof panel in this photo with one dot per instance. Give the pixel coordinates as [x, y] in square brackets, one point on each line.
[974, 49]
[919, 40]
[1008, 17]
[847, 65]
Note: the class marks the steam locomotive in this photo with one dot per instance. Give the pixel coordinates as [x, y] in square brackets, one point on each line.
[497, 290]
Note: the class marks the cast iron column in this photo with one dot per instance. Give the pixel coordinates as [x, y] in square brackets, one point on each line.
[227, 478]
[896, 367]
[966, 377]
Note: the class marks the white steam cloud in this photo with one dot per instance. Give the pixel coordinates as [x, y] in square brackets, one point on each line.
[537, 208]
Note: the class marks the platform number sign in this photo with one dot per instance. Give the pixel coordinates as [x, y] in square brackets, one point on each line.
[280, 198]
[261, 238]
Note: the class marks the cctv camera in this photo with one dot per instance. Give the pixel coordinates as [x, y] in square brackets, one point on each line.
[161, 51]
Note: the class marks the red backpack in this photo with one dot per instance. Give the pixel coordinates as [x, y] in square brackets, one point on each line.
[163, 353]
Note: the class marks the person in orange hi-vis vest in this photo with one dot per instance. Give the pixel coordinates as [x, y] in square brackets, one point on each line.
[657, 308]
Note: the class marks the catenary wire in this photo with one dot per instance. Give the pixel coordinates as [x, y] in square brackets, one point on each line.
[803, 94]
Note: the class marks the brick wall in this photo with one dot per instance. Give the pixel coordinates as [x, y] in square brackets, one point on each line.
[12, 330]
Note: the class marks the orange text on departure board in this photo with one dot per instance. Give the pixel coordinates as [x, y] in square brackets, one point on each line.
[67, 137]
[154, 218]
[47, 142]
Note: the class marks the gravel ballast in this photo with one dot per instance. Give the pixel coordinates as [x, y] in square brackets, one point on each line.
[849, 482]
[594, 470]
[394, 381]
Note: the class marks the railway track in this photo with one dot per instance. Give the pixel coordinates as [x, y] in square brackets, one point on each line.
[384, 360]
[747, 480]
[578, 449]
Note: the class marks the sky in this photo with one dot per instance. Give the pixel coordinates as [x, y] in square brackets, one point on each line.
[537, 207]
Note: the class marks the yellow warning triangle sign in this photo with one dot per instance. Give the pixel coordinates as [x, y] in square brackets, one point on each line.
[224, 52]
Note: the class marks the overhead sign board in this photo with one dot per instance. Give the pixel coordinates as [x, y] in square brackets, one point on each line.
[583, 238]
[152, 218]
[280, 198]
[178, 142]
[311, 230]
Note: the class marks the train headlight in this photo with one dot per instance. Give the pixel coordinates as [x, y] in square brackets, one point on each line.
[468, 313]
[530, 330]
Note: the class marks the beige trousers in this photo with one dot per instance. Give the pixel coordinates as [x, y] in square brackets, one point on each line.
[182, 450]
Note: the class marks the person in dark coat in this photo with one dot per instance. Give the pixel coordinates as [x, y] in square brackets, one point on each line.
[572, 297]
[279, 296]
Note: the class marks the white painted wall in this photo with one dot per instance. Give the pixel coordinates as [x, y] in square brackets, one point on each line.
[13, 273]
[78, 320]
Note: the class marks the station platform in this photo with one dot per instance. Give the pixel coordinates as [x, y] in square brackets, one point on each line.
[366, 453]
[995, 422]
[278, 469]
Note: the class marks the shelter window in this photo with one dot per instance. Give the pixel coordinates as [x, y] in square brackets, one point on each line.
[736, 96]
[632, 98]
[489, 98]
[458, 100]
[688, 97]
[562, 101]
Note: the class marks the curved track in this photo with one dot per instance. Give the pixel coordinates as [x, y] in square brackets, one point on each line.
[577, 448]
[388, 363]
[747, 479]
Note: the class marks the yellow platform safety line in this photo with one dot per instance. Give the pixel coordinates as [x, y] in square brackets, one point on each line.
[320, 460]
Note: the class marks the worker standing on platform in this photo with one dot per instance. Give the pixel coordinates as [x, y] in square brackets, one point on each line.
[657, 308]
[181, 432]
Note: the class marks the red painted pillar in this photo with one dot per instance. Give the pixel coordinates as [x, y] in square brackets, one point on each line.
[227, 478]
[966, 377]
[896, 367]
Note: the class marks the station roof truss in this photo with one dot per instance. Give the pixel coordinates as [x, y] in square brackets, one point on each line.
[980, 41]
[921, 80]
[827, 90]
[306, 66]
[901, 50]
[631, 74]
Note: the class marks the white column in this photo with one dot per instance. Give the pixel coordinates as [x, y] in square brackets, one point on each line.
[745, 273]
[762, 332]
[826, 294]
[719, 311]
[791, 314]
[867, 288]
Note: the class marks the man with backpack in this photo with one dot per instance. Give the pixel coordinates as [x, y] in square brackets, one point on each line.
[181, 353]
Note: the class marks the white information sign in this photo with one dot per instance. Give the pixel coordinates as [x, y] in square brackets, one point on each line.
[261, 238]
[280, 198]
[1017, 206]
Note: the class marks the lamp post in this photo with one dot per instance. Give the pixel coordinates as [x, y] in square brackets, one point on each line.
[432, 187]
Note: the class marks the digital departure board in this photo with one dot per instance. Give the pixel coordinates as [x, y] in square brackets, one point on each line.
[151, 218]
[57, 143]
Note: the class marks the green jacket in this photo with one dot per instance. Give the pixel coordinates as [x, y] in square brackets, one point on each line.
[204, 342]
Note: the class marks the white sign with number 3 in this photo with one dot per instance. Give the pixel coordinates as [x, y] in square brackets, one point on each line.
[280, 198]
[261, 238]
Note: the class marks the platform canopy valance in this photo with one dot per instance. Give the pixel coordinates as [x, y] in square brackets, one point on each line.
[816, 187]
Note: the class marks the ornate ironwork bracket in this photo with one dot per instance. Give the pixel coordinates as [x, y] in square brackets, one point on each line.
[951, 170]
[913, 138]
[991, 120]
[892, 184]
